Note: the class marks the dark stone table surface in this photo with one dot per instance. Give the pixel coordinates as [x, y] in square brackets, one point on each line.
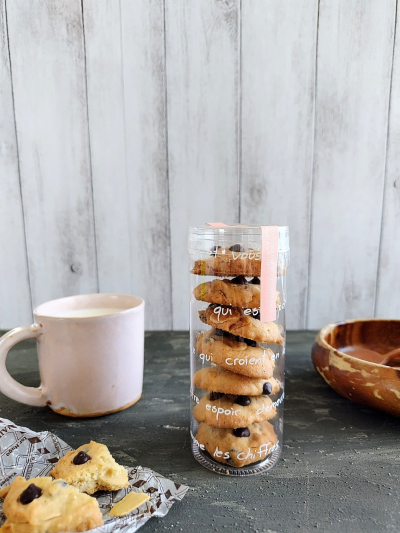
[340, 466]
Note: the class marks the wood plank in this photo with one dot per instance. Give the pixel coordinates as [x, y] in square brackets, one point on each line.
[355, 45]
[387, 302]
[130, 186]
[278, 77]
[102, 27]
[146, 203]
[47, 57]
[202, 93]
[15, 300]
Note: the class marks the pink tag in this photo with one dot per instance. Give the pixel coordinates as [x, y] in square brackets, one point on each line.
[222, 225]
[269, 259]
[217, 224]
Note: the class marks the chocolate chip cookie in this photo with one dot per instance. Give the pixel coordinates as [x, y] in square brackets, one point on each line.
[233, 261]
[236, 321]
[232, 411]
[238, 292]
[215, 378]
[91, 468]
[245, 358]
[44, 505]
[238, 447]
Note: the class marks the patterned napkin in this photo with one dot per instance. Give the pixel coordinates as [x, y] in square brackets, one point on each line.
[26, 453]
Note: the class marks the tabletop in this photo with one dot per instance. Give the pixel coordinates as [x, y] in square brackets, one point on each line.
[338, 473]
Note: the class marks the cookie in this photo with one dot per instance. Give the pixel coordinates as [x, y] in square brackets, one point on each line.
[44, 505]
[237, 292]
[234, 320]
[215, 378]
[235, 355]
[91, 468]
[232, 411]
[255, 443]
[225, 262]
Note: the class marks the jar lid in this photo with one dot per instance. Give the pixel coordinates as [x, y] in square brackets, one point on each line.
[244, 233]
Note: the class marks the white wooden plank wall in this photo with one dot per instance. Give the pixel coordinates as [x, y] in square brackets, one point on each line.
[123, 122]
[49, 86]
[388, 305]
[203, 103]
[354, 65]
[125, 60]
[105, 90]
[278, 79]
[15, 299]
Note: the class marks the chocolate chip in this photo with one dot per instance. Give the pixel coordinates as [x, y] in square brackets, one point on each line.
[255, 281]
[81, 458]
[267, 388]
[243, 400]
[215, 396]
[239, 280]
[250, 343]
[32, 492]
[236, 248]
[214, 250]
[236, 338]
[241, 432]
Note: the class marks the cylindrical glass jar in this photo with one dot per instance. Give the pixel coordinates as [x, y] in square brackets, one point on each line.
[237, 345]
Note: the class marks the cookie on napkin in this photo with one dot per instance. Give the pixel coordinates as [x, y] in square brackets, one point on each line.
[91, 468]
[44, 505]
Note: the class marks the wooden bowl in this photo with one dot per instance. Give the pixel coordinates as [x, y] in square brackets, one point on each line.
[370, 384]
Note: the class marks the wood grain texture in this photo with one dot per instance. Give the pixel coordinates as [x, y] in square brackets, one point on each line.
[354, 61]
[278, 78]
[203, 100]
[146, 201]
[15, 301]
[47, 57]
[387, 302]
[102, 27]
[121, 123]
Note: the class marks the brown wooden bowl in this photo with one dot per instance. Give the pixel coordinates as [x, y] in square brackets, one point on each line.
[370, 384]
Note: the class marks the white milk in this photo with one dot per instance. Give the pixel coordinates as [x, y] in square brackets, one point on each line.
[89, 312]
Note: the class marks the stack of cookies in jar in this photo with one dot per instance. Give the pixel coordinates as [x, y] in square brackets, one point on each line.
[235, 414]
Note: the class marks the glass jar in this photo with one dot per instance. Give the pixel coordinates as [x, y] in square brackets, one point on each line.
[237, 345]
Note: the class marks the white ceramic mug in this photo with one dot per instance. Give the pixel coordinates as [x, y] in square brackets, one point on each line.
[89, 365]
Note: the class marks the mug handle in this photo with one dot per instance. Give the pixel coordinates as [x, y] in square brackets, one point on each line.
[8, 385]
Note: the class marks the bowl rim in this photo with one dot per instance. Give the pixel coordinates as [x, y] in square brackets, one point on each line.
[330, 327]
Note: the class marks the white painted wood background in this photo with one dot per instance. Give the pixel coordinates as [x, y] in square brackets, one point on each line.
[124, 121]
